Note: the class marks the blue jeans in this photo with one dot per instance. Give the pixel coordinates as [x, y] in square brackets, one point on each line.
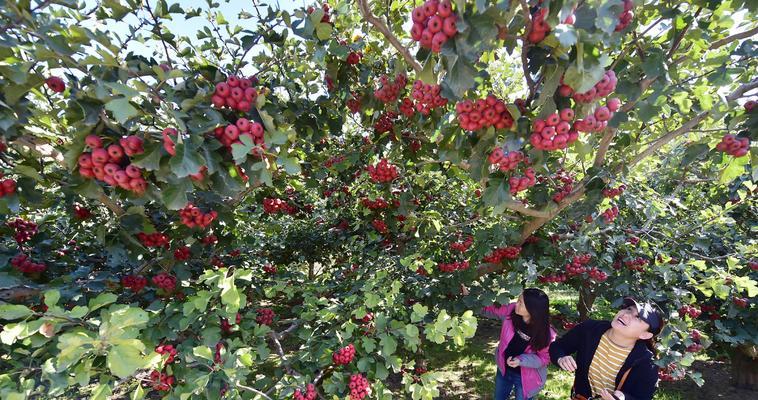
[504, 385]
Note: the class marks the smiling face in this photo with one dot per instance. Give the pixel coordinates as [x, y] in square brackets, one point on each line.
[521, 308]
[628, 324]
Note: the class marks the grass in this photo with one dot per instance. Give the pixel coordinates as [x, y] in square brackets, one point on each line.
[468, 372]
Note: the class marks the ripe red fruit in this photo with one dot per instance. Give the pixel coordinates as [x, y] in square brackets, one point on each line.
[93, 141]
[344, 355]
[135, 283]
[55, 84]
[115, 152]
[165, 281]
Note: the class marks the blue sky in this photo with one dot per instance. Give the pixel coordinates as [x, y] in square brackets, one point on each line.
[181, 26]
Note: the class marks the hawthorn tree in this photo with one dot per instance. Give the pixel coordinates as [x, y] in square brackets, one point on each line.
[294, 207]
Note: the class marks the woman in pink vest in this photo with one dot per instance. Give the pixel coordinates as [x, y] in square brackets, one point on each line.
[522, 356]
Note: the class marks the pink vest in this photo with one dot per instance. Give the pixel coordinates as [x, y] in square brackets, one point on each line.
[532, 379]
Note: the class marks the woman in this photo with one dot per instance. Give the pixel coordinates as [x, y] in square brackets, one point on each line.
[614, 359]
[522, 355]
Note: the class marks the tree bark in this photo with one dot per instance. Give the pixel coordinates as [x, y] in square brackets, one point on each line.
[745, 367]
[586, 300]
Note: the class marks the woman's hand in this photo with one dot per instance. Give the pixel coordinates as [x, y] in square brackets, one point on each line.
[513, 362]
[567, 363]
[608, 395]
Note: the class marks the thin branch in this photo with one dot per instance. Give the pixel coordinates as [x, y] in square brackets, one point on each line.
[158, 32]
[381, 26]
[13, 23]
[732, 38]
[524, 47]
[254, 390]
[678, 40]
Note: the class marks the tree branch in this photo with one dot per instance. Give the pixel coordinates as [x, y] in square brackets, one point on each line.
[254, 390]
[524, 46]
[381, 26]
[678, 40]
[732, 38]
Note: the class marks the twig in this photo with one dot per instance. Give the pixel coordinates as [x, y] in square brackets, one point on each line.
[382, 27]
[678, 40]
[158, 32]
[524, 47]
[254, 390]
[732, 38]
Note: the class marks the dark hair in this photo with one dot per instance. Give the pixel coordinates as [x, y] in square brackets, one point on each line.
[538, 305]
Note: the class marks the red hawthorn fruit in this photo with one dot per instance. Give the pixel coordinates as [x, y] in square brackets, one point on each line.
[55, 84]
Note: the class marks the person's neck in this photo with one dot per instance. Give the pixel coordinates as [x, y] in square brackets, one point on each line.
[620, 340]
[526, 319]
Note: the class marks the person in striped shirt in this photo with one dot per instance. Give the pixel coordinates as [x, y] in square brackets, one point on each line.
[614, 359]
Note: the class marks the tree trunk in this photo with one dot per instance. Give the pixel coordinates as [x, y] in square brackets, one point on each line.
[745, 367]
[586, 300]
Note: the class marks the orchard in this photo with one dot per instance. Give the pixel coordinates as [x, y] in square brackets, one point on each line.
[295, 203]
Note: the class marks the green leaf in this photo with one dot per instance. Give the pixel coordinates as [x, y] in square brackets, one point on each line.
[73, 346]
[175, 196]
[388, 343]
[290, 164]
[14, 311]
[123, 360]
[51, 297]
[203, 352]
[122, 110]
[103, 299]
[187, 160]
[323, 30]
[125, 317]
[419, 312]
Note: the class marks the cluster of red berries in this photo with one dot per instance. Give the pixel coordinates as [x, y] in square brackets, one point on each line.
[506, 161]
[691, 310]
[270, 269]
[626, 16]
[111, 165]
[227, 327]
[182, 253]
[81, 212]
[670, 373]
[236, 93]
[156, 239]
[740, 302]
[610, 214]
[597, 275]
[434, 23]
[217, 355]
[344, 355]
[554, 132]
[231, 134]
[24, 264]
[7, 187]
[192, 216]
[453, 266]
[55, 84]
[168, 141]
[598, 121]
[160, 381]
[694, 348]
[577, 265]
[354, 57]
[734, 146]
[168, 350]
[217, 262]
[753, 265]
[633, 240]
[135, 283]
[24, 230]
[636, 264]
[383, 171]
[274, 206]
[334, 160]
[385, 123]
[539, 28]
[712, 310]
[614, 192]
[326, 18]
[520, 183]
[565, 189]
[497, 255]
[209, 240]
[390, 91]
[367, 318]
[378, 204]
[558, 278]
[462, 246]
[310, 393]
[603, 88]
[427, 97]
[354, 104]
[483, 113]
[358, 387]
[380, 226]
[265, 316]
[165, 281]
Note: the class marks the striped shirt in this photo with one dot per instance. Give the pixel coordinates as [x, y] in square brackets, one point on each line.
[606, 364]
